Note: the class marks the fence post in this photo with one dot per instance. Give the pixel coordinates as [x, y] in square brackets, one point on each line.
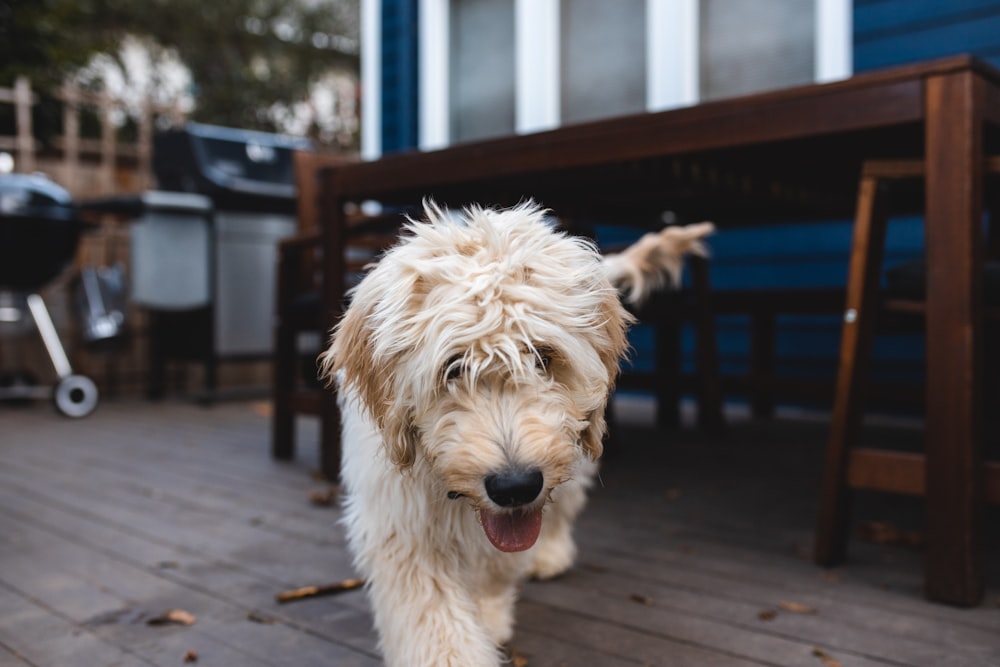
[144, 145]
[25, 135]
[71, 135]
[107, 144]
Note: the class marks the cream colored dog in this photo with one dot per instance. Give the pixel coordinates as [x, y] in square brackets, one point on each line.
[474, 365]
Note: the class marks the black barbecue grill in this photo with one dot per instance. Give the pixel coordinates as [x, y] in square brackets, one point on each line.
[39, 231]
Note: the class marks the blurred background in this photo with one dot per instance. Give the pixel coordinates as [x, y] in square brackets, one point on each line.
[112, 99]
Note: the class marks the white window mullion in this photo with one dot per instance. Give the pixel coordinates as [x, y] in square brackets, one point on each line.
[537, 47]
[433, 57]
[371, 76]
[671, 54]
[834, 39]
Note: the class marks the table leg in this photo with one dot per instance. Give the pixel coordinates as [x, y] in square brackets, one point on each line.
[954, 155]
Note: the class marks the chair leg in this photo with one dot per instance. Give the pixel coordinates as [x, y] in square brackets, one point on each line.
[855, 349]
[156, 380]
[329, 445]
[710, 415]
[667, 331]
[762, 346]
[282, 388]
[283, 375]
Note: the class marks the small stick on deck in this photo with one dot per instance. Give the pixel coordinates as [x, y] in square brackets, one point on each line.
[317, 591]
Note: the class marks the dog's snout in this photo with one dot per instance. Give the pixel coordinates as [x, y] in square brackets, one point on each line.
[513, 488]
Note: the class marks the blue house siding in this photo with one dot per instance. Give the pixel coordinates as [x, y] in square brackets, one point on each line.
[806, 255]
[399, 75]
[893, 32]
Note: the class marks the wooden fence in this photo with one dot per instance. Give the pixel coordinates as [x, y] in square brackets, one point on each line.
[83, 165]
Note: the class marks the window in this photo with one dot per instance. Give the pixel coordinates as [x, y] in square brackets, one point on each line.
[746, 46]
[602, 58]
[494, 67]
[481, 69]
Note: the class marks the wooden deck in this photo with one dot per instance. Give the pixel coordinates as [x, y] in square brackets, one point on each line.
[694, 552]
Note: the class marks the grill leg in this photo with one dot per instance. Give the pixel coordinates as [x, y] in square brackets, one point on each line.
[49, 336]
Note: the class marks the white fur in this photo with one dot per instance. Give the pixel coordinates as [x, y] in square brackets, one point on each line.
[480, 343]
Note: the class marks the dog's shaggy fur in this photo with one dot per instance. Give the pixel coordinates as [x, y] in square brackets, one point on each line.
[473, 369]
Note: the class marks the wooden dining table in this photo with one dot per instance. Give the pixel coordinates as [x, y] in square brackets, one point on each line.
[792, 154]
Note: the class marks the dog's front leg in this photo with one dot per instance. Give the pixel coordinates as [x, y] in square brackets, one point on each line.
[555, 550]
[427, 620]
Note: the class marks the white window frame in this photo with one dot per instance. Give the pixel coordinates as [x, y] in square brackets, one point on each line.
[371, 78]
[671, 56]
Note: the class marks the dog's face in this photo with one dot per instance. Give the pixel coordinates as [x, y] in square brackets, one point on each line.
[485, 350]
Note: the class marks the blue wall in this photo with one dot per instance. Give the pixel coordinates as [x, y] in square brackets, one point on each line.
[399, 75]
[892, 32]
[791, 255]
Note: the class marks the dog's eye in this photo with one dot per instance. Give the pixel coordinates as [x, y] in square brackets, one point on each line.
[453, 368]
[543, 359]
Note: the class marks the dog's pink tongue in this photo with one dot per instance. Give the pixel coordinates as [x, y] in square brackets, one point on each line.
[512, 531]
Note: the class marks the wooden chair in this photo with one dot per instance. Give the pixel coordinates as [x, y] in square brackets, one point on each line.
[848, 466]
[666, 312]
[762, 383]
[700, 304]
[295, 388]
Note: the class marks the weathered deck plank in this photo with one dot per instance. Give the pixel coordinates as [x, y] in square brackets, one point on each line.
[107, 521]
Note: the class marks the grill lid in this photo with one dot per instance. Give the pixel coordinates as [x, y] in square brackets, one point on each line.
[39, 230]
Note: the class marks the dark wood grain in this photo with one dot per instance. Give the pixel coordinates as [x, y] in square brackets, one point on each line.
[856, 339]
[954, 183]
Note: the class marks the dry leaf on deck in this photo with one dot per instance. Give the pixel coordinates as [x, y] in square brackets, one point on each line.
[825, 658]
[317, 591]
[767, 614]
[797, 608]
[191, 656]
[325, 498]
[641, 599]
[173, 617]
[260, 618]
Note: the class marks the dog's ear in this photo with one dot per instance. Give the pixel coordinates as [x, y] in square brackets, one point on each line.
[400, 437]
[352, 361]
[611, 343]
[592, 438]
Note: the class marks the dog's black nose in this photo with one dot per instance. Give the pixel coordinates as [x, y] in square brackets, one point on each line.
[513, 488]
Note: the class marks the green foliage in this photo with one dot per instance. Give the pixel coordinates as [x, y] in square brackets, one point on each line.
[45, 39]
[243, 55]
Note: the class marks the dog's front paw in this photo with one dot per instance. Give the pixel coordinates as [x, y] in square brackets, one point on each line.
[553, 558]
[497, 614]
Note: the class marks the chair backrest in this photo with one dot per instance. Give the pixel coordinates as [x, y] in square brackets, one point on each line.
[307, 166]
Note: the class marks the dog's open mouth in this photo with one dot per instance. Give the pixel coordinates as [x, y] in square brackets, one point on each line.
[512, 531]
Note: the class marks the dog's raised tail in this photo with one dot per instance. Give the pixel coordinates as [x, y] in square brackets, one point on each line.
[655, 260]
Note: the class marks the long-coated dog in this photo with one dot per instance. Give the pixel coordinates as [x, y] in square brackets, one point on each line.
[473, 368]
